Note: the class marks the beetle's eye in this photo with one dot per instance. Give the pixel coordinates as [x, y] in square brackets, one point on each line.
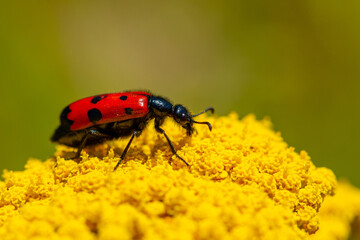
[181, 114]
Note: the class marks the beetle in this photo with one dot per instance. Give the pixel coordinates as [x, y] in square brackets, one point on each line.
[94, 120]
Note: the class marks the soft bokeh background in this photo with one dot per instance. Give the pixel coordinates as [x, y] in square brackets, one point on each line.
[295, 61]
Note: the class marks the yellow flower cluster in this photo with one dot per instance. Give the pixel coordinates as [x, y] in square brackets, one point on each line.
[243, 182]
[339, 213]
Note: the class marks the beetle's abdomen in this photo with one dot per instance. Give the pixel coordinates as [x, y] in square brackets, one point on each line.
[105, 108]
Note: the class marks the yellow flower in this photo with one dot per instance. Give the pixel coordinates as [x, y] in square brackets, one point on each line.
[243, 182]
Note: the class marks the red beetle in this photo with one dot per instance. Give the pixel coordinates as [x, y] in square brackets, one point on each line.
[96, 119]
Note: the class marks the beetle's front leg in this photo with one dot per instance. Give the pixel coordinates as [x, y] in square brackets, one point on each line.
[160, 130]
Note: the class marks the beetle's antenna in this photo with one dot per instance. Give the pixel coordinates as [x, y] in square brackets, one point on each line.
[207, 123]
[208, 109]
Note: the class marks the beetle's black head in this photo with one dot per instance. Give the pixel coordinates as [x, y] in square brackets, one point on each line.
[182, 116]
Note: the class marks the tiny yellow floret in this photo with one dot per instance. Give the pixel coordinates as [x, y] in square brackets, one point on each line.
[243, 182]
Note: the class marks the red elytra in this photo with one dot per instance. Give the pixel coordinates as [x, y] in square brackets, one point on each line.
[112, 108]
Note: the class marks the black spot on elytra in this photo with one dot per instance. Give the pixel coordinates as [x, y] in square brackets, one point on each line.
[123, 97]
[128, 111]
[94, 115]
[96, 99]
[65, 122]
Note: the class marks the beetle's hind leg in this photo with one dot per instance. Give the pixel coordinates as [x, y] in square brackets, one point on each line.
[90, 132]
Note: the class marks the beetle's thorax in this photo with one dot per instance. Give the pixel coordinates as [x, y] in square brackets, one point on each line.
[160, 106]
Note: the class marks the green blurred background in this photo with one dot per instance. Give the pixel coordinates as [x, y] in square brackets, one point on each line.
[295, 61]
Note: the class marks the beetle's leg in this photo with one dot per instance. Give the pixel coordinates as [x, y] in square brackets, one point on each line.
[81, 146]
[84, 139]
[160, 130]
[126, 149]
